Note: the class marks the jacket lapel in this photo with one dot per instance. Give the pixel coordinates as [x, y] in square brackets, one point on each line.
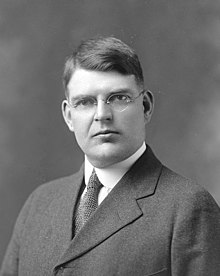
[119, 208]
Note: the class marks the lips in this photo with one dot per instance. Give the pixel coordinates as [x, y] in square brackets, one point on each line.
[105, 132]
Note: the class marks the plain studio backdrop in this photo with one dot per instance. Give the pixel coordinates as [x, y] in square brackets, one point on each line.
[178, 43]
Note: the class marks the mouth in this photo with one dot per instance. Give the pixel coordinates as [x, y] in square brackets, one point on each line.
[105, 133]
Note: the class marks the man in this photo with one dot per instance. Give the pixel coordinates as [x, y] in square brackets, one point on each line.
[123, 213]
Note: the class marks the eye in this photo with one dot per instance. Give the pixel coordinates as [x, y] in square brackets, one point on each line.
[84, 102]
[121, 98]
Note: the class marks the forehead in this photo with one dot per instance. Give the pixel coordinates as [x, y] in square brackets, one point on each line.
[94, 82]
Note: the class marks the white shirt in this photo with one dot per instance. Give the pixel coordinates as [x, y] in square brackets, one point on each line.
[111, 175]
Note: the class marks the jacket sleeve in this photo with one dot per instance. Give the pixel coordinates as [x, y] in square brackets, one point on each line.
[10, 262]
[195, 248]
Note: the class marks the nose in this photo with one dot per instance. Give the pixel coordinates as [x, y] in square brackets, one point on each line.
[103, 111]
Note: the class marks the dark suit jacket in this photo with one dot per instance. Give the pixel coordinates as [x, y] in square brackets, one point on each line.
[154, 222]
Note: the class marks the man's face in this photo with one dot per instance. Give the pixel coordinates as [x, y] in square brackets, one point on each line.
[106, 136]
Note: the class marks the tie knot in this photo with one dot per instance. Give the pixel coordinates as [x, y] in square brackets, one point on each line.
[94, 182]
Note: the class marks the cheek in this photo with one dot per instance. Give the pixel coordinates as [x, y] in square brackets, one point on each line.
[81, 137]
[134, 123]
[81, 128]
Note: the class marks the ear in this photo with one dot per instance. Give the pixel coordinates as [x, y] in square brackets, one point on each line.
[67, 115]
[148, 105]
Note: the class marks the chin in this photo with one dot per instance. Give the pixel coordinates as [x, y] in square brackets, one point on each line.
[107, 154]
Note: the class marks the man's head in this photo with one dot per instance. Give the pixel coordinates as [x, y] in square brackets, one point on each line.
[106, 107]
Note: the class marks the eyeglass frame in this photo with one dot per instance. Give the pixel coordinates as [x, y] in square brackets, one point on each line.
[106, 101]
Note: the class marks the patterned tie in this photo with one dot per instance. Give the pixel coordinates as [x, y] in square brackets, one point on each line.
[88, 203]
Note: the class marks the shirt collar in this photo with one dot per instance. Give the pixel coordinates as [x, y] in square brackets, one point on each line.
[110, 176]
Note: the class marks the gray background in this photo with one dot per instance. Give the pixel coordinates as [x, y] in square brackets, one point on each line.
[178, 43]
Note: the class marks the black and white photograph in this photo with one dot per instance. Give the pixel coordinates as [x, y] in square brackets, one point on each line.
[109, 138]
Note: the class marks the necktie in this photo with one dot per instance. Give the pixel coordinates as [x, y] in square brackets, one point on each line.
[88, 203]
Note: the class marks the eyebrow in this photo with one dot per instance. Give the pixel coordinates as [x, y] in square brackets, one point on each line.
[118, 91]
[122, 90]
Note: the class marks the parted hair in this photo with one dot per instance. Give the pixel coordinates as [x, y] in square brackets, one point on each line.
[103, 54]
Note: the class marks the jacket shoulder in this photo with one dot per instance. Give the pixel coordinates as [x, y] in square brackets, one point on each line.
[184, 191]
[41, 198]
[56, 188]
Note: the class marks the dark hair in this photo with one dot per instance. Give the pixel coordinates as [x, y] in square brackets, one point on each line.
[103, 54]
